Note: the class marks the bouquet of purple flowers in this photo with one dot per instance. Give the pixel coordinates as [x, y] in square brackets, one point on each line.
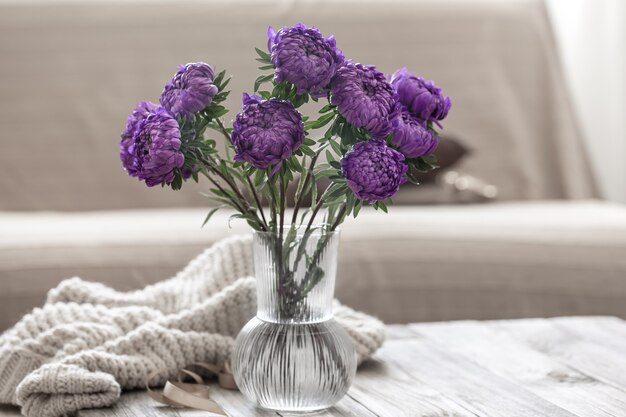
[374, 131]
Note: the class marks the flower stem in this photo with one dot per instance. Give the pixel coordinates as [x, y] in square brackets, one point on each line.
[270, 188]
[219, 187]
[231, 183]
[281, 261]
[305, 184]
[240, 203]
[340, 216]
[282, 200]
[257, 200]
[222, 129]
[318, 206]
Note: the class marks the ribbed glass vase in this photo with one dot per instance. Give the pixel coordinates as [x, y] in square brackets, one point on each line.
[293, 356]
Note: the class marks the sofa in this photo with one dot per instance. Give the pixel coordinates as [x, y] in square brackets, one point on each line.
[71, 71]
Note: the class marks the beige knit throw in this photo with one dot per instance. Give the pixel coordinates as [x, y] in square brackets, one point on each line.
[88, 342]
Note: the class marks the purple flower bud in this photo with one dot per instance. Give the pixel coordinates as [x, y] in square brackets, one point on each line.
[411, 135]
[190, 91]
[149, 148]
[267, 131]
[365, 98]
[304, 58]
[423, 98]
[373, 170]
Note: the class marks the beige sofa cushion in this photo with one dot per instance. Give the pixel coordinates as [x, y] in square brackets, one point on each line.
[415, 264]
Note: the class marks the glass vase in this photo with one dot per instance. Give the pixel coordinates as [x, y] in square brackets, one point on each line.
[293, 356]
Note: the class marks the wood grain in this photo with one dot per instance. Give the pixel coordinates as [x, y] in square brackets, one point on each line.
[536, 371]
[565, 367]
[589, 346]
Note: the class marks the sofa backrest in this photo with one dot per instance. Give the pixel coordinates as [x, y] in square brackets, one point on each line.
[71, 71]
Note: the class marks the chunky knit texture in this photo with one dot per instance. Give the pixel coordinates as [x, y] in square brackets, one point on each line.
[88, 342]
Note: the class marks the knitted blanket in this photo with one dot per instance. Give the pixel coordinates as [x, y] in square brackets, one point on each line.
[88, 342]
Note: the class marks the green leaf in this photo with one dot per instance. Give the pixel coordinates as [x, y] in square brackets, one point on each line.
[299, 100]
[177, 182]
[337, 125]
[289, 175]
[219, 192]
[223, 86]
[421, 164]
[262, 54]
[214, 111]
[220, 113]
[412, 178]
[327, 108]
[259, 175]
[266, 67]
[221, 96]
[327, 172]
[219, 77]
[262, 79]
[339, 191]
[336, 147]
[357, 208]
[329, 156]
[322, 121]
[298, 167]
[284, 91]
[309, 142]
[335, 164]
[306, 150]
[265, 95]
[347, 135]
[209, 215]
[350, 202]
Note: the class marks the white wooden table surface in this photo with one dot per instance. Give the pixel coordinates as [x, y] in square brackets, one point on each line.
[574, 367]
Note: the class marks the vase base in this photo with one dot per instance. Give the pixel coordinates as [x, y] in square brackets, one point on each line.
[298, 413]
[294, 368]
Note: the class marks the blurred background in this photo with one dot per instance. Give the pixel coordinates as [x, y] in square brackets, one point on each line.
[525, 218]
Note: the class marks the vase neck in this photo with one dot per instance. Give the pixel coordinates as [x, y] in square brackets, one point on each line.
[295, 279]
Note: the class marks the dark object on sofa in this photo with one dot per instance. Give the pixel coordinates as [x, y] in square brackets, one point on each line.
[447, 184]
[449, 152]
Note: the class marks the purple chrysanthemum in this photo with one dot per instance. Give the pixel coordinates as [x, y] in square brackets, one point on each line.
[304, 58]
[373, 170]
[190, 90]
[423, 98]
[149, 148]
[364, 98]
[138, 115]
[267, 131]
[411, 135]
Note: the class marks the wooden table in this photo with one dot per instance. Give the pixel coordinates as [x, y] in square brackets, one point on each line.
[527, 368]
